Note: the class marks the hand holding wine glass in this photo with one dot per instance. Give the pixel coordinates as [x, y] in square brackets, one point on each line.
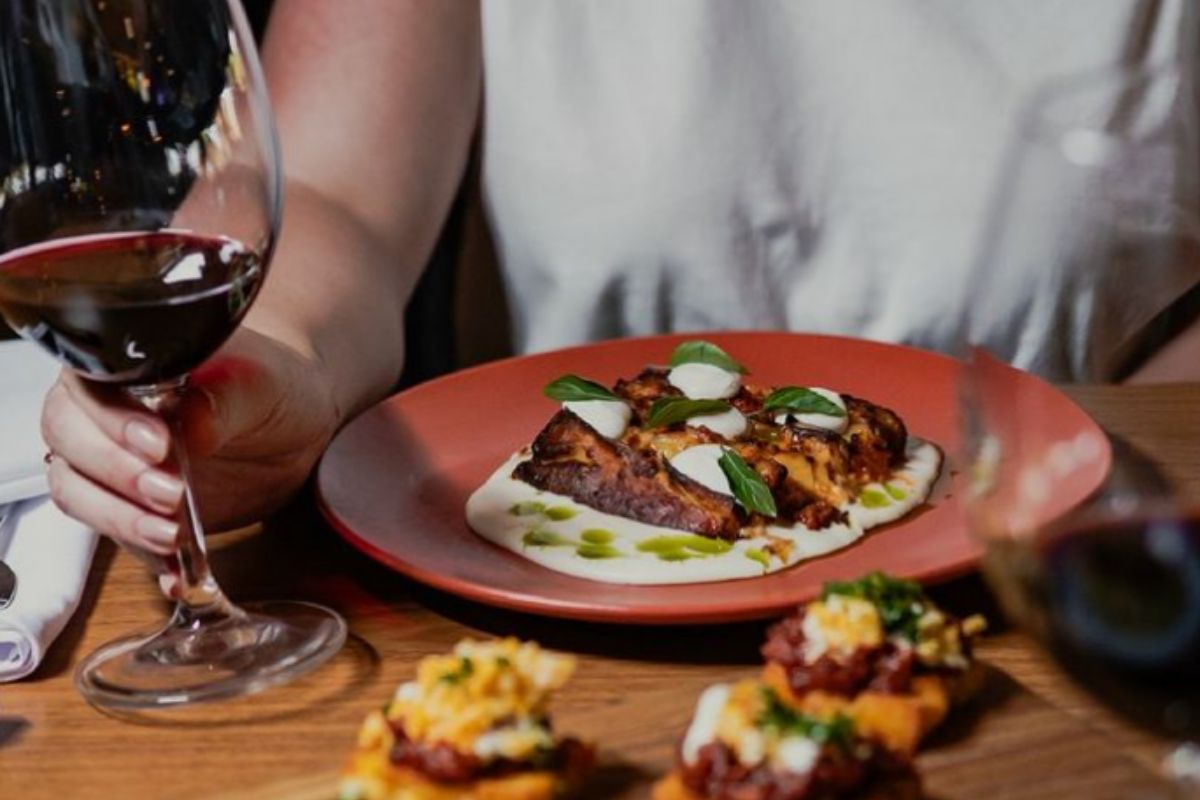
[256, 418]
[137, 222]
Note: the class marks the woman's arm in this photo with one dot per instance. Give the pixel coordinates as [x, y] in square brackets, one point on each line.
[1178, 360]
[376, 103]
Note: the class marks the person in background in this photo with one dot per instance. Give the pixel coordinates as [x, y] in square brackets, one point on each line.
[647, 167]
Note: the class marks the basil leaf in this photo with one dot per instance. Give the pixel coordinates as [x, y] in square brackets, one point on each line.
[798, 400]
[700, 352]
[748, 486]
[572, 388]
[670, 410]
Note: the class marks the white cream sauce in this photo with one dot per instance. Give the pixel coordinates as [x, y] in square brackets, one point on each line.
[561, 534]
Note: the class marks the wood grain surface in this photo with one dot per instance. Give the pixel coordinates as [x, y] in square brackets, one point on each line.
[1031, 735]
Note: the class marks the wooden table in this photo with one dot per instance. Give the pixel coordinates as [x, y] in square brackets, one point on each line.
[1031, 735]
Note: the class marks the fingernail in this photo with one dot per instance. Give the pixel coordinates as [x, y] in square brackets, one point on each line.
[144, 438]
[157, 531]
[160, 489]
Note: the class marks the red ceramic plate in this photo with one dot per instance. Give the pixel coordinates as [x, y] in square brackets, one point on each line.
[394, 482]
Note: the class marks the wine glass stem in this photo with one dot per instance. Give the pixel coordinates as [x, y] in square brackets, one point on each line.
[191, 583]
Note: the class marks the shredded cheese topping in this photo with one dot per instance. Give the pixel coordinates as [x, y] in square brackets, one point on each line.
[487, 698]
[840, 625]
[739, 726]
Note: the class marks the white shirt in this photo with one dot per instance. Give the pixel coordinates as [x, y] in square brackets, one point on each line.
[812, 165]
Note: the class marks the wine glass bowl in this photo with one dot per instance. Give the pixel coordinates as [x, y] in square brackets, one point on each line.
[138, 215]
[1097, 219]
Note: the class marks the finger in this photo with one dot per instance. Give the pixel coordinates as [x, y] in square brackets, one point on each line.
[74, 436]
[119, 418]
[81, 498]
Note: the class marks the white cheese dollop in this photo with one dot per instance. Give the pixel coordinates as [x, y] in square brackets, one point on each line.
[751, 747]
[816, 643]
[797, 754]
[704, 722]
[514, 742]
[609, 417]
[700, 464]
[730, 424]
[704, 381]
[825, 421]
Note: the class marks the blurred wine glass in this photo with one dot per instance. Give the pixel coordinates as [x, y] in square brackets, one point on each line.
[1096, 220]
[139, 205]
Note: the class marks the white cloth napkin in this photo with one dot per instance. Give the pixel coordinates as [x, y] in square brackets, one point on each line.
[50, 554]
[25, 374]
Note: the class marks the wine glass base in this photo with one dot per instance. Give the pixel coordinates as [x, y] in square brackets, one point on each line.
[259, 646]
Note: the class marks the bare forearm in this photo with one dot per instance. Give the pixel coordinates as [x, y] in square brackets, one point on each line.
[376, 102]
[1178, 360]
[333, 295]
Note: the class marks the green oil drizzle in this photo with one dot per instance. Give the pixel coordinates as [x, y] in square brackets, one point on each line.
[541, 538]
[595, 551]
[560, 513]
[681, 547]
[873, 498]
[895, 491]
[597, 536]
[526, 508]
[761, 557]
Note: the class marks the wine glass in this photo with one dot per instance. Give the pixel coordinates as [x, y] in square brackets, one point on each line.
[139, 204]
[1097, 218]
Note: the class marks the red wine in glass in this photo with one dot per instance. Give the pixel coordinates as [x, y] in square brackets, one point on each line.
[131, 308]
[1116, 599]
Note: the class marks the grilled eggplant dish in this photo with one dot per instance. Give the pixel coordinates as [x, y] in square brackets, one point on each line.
[692, 473]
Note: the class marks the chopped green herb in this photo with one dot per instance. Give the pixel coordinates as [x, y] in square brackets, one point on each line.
[673, 410]
[895, 491]
[560, 513]
[760, 556]
[526, 508]
[466, 668]
[748, 486]
[873, 498]
[502, 662]
[677, 555]
[597, 536]
[572, 388]
[784, 720]
[900, 602]
[700, 352]
[541, 538]
[800, 400]
[597, 551]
